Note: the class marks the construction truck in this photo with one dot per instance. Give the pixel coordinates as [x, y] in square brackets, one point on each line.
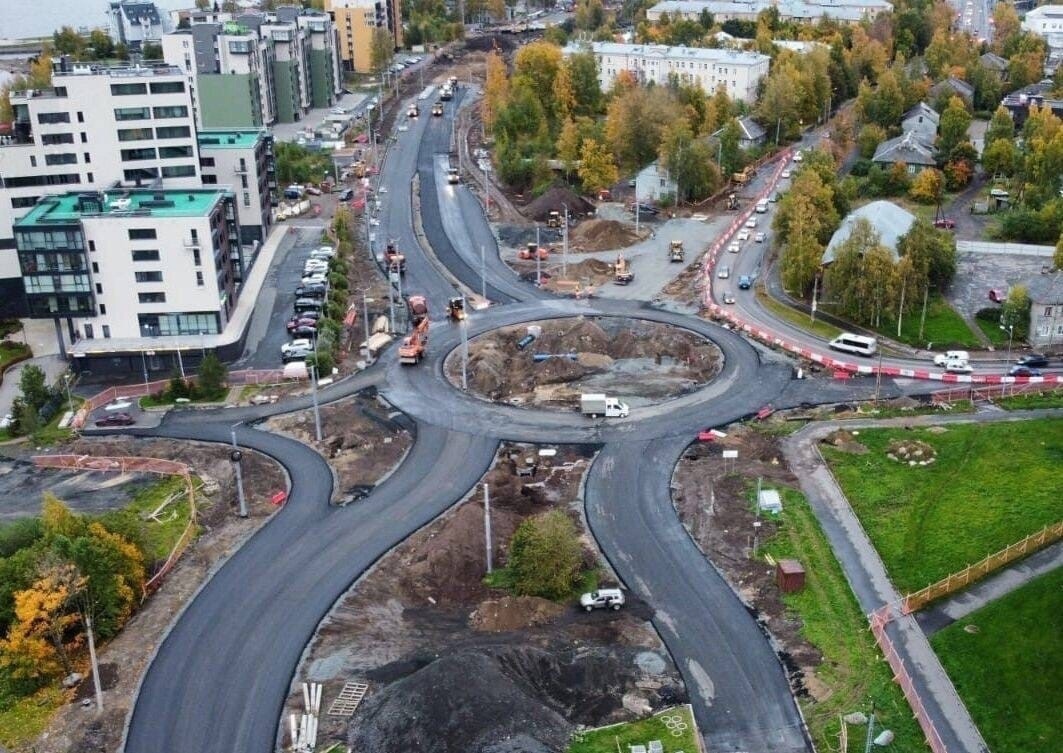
[437, 110]
[395, 261]
[453, 177]
[534, 251]
[411, 351]
[622, 273]
[414, 111]
[554, 220]
[743, 177]
[675, 251]
[732, 201]
[456, 309]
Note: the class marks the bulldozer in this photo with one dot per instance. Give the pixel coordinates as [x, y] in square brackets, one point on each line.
[732, 201]
[396, 262]
[411, 351]
[456, 309]
[534, 251]
[675, 251]
[743, 177]
[554, 219]
[622, 273]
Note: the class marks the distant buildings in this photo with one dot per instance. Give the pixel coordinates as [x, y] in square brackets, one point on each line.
[887, 219]
[135, 22]
[908, 148]
[1019, 102]
[849, 11]
[952, 86]
[1046, 310]
[750, 133]
[356, 21]
[736, 72]
[1047, 22]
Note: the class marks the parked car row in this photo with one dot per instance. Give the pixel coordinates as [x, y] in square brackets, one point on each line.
[310, 296]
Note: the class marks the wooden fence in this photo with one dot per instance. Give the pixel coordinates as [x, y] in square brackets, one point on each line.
[959, 580]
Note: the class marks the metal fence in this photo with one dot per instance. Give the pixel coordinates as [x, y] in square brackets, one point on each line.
[960, 580]
[975, 393]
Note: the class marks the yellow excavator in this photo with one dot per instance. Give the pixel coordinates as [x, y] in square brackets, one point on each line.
[622, 270]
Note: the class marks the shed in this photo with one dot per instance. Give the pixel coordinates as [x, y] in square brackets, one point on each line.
[769, 501]
[790, 575]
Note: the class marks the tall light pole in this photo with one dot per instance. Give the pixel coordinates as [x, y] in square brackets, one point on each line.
[487, 528]
[483, 273]
[564, 248]
[236, 457]
[313, 393]
[538, 262]
[365, 320]
[464, 324]
[1011, 331]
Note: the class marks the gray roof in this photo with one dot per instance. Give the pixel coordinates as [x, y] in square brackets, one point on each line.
[1046, 289]
[925, 110]
[958, 86]
[888, 220]
[993, 62]
[751, 130]
[908, 148]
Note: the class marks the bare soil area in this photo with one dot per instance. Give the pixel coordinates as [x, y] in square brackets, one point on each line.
[604, 235]
[455, 666]
[642, 362]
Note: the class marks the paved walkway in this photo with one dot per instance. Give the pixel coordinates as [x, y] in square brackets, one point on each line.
[943, 613]
[39, 334]
[867, 574]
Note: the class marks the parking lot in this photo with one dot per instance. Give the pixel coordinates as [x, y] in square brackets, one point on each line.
[976, 273]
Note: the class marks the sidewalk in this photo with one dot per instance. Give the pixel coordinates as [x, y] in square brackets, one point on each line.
[39, 334]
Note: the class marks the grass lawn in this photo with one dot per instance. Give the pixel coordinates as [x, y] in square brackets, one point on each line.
[23, 719]
[944, 328]
[852, 666]
[159, 400]
[620, 736]
[991, 485]
[11, 352]
[797, 318]
[1004, 671]
[992, 330]
[159, 537]
[1031, 400]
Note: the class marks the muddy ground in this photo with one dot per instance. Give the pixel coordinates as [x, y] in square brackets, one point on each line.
[641, 362]
[455, 666]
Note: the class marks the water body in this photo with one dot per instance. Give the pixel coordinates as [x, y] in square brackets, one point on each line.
[23, 19]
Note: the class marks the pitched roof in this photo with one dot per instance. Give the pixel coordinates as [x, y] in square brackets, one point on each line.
[959, 86]
[1046, 289]
[993, 62]
[888, 220]
[925, 110]
[908, 148]
[751, 130]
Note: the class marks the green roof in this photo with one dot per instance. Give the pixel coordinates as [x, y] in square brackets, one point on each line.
[223, 138]
[72, 207]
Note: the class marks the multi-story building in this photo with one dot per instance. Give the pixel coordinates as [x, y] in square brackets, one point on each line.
[243, 161]
[135, 22]
[356, 21]
[849, 11]
[1047, 22]
[734, 71]
[97, 127]
[124, 268]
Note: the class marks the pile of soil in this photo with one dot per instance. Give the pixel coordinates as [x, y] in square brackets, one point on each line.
[844, 440]
[513, 613]
[556, 199]
[590, 273]
[646, 361]
[603, 235]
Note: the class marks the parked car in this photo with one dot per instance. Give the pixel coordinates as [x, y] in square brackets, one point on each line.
[346, 194]
[297, 344]
[313, 190]
[301, 320]
[745, 282]
[759, 237]
[945, 223]
[743, 235]
[309, 279]
[724, 272]
[997, 295]
[116, 419]
[305, 330]
[603, 598]
[728, 297]
[296, 354]
[786, 173]
[798, 157]
[1022, 370]
[734, 247]
[313, 290]
[323, 252]
[1034, 360]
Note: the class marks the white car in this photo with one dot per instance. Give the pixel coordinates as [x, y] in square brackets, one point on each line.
[786, 173]
[759, 237]
[117, 405]
[313, 190]
[957, 366]
[327, 251]
[724, 273]
[316, 277]
[942, 359]
[735, 247]
[751, 222]
[302, 343]
[743, 235]
[603, 598]
[798, 157]
[728, 297]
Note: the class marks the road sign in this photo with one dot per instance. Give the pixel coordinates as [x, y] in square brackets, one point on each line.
[730, 454]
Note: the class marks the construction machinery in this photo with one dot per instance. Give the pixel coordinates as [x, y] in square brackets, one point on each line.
[456, 309]
[743, 177]
[675, 251]
[554, 219]
[411, 351]
[622, 273]
[732, 201]
[395, 260]
[534, 251]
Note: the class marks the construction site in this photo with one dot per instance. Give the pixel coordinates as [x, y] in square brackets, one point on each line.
[551, 362]
[440, 662]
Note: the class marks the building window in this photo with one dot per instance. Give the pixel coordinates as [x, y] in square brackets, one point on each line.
[88, 331]
[173, 132]
[103, 309]
[84, 138]
[67, 158]
[146, 254]
[179, 111]
[132, 155]
[134, 134]
[88, 158]
[169, 152]
[51, 139]
[148, 276]
[33, 163]
[151, 297]
[81, 117]
[142, 233]
[1048, 311]
[46, 118]
[121, 90]
[89, 177]
[141, 173]
[210, 180]
[95, 268]
[22, 202]
[194, 323]
[195, 257]
[243, 181]
[99, 289]
[167, 87]
[206, 162]
[199, 279]
[132, 113]
[247, 199]
[106, 330]
[179, 171]
[92, 247]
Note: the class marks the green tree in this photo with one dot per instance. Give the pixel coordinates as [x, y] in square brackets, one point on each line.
[545, 557]
[597, 168]
[538, 63]
[1001, 126]
[952, 128]
[381, 50]
[101, 44]
[211, 376]
[867, 141]
[802, 253]
[730, 153]
[1000, 157]
[1057, 257]
[67, 41]
[931, 254]
[1015, 311]
[884, 104]
[583, 71]
[151, 51]
[33, 386]
[589, 14]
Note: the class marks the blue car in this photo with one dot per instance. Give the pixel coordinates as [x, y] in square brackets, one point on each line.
[745, 282]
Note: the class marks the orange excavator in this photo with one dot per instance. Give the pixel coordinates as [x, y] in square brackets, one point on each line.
[413, 345]
[396, 261]
[534, 251]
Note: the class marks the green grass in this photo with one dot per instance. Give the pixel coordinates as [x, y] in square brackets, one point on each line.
[990, 486]
[833, 622]
[158, 538]
[50, 433]
[944, 328]
[161, 399]
[502, 578]
[1031, 400]
[992, 330]
[11, 352]
[23, 719]
[885, 411]
[620, 736]
[797, 318]
[1008, 671]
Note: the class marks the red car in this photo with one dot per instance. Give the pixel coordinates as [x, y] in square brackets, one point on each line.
[945, 223]
[116, 419]
[301, 321]
[996, 295]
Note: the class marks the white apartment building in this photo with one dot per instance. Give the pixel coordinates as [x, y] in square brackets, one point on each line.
[135, 22]
[734, 71]
[95, 128]
[849, 11]
[122, 267]
[243, 161]
[1047, 22]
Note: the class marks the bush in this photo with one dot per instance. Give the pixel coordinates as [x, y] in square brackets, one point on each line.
[860, 167]
[211, 377]
[178, 389]
[49, 409]
[545, 556]
[323, 363]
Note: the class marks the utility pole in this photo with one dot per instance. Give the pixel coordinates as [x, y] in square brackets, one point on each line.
[870, 728]
[236, 456]
[815, 292]
[878, 376]
[391, 304]
[564, 248]
[538, 263]
[464, 348]
[483, 273]
[636, 208]
[398, 280]
[313, 392]
[487, 528]
[365, 319]
[95, 664]
[922, 319]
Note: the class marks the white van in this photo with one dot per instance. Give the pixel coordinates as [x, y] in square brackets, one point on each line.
[855, 344]
[951, 355]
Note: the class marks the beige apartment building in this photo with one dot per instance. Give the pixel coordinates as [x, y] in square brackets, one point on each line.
[355, 22]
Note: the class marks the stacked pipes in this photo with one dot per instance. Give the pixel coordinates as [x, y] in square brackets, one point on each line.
[303, 727]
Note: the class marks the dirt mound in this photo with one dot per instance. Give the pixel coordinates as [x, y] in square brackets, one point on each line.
[513, 613]
[845, 441]
[516, 699]
[602, 235]
[504, 42]
[556, 199]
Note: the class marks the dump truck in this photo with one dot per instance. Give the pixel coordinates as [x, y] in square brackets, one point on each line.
[534, 251]
[554, 219]
[622, 273]
[675, 251]
[411, 351]
[743, 177]
[456, 309]
[596, 404]
[395, 261]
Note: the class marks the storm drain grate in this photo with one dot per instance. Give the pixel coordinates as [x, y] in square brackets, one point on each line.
[348, 699]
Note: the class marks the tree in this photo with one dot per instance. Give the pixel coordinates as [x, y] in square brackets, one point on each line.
[545, 556]
[634, 124]
[589, 14]
[780, 105]
[203, 4]
[730, 153]
[931, 254]
[101, 43]
[151, 51]
[67, 41]
[802, 253]
[564, 93]
[381, 50]
[211, 376]
[597, 168]
[583, 72]
[927, 187]
[1015, 310]
[1057, 257]
[568, 144]
[1001, 158]
[958, 174]
[538, 63]
[870, 136]
[1001, 127]
[952, 128]
[32, 386]
[496, 90]
[884, 104]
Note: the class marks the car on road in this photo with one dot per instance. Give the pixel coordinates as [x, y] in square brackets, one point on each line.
[745, 282]
[116, 419]
[1022, 370]
[743, 235]
[304, 330]
[751, 223]
[728, 297]
[759, 237]
[603, 598]
[786, 173]
[298, 354]
[945, 223]
[958, 366]
[724, 272]
[313, 290]
[309, 279]
[1034, 360]
[643, 208]
[798, 157]
[735, 247]
[313, 190]
[951, 355]
[346, 194]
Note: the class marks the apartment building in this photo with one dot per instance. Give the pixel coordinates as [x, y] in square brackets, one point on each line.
[848, 11]
[243, 161]
[136, 22]
[356, 21]
[130, 267]
[734, 71]
[97, 127]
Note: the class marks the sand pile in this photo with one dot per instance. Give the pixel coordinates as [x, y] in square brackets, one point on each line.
[601, 235]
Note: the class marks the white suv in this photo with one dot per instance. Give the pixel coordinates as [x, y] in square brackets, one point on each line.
[603, 598]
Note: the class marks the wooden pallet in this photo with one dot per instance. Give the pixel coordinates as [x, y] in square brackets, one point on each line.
[347, 701]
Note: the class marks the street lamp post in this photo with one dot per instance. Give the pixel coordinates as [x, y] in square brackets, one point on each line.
[67, 376]
[236, 457]
[313, 393]
[464, 348]
[365, 321]
[1010, 328]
